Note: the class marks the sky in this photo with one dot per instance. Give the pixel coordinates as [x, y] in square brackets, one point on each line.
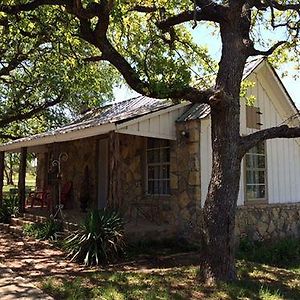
[204, 36]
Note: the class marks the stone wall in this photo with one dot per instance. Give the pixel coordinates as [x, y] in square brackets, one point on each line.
[185, 176]
[81, 153]
[269, 221]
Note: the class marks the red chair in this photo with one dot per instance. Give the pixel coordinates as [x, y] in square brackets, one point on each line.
[39, 196]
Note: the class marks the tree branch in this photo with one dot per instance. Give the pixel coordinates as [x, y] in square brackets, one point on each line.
[144, 9]
[26, 115]
[203, 12]
[283, 131]
[254, 52]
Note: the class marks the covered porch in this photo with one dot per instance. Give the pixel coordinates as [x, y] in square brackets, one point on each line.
[106, 166]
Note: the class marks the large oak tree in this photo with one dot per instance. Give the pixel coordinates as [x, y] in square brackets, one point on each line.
[149, 43]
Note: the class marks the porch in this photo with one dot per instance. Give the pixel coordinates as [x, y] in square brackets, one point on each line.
[132, 166]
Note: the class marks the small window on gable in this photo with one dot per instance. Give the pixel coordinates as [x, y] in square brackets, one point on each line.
[253, 119]
[158, 167]
[256, 173]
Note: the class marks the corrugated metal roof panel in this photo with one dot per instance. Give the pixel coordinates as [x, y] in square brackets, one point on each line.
[196, 111]
[124, 110]
[251, 65]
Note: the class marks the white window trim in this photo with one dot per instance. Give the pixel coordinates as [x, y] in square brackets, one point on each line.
[156, 164]
[265, 169]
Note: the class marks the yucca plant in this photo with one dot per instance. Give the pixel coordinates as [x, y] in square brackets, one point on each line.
[100, 238]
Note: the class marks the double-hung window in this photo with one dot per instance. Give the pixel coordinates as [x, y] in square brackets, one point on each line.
[158, 167]
[256, 173]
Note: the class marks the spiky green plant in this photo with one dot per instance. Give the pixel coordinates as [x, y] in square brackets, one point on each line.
[48, 230]
[100, 238]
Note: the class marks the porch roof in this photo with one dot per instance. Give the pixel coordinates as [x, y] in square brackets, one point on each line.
[114, 117]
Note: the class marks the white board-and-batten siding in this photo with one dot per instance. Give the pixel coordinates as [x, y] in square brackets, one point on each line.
[282, 155]
[157, 125]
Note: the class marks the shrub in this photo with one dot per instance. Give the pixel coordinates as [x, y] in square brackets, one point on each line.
[100, 238]
[279, 253]
[48, 230]
[9, 208]
[5, 214]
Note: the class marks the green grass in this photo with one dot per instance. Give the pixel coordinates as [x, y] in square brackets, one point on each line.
[30, 183]
[256, 281]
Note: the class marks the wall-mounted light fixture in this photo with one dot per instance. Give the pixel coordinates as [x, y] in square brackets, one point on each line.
[185, 134]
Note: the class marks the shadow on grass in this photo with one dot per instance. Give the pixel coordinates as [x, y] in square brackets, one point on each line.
[255, 282]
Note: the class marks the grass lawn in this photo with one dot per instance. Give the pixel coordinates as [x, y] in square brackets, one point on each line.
[256, 281]
[30, 183]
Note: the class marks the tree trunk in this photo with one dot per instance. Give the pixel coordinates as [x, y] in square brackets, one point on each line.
[217, 263]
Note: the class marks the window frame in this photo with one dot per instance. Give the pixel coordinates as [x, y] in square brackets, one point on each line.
[265, 169]
[159, 164]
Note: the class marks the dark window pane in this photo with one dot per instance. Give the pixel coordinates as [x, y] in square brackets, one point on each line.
[150, 187]
[261, 176]
[156, 189]
[260, 148]
[261, 160]
[250, 178]
[165, 172]
[153, 156]
[165, 155]
[261, 193]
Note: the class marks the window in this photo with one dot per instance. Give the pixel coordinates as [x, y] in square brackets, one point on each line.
[256, 173]
[158, 167]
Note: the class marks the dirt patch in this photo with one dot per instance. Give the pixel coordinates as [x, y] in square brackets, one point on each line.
[35, 260]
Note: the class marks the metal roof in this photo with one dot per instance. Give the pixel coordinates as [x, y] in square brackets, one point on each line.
[122, 111]
[107, 115]
[195, 111]
[251, 65]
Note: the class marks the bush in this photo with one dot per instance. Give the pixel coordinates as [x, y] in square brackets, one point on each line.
[48, 230]
[100, 238]
[279, 253]
[9, 208]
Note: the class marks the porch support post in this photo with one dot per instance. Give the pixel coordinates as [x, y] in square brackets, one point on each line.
[22, 177]
[114, 197]
[2, 155]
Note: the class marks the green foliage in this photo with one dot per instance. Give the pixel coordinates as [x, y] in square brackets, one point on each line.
[48, 230]
[100, 238]
[50, 61]
[9, 208]
[278, 253]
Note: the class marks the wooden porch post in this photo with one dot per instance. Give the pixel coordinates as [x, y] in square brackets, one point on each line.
[2, 155]
[114, 197]
[22, 177]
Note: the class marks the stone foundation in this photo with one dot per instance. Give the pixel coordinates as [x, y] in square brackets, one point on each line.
[269, 221]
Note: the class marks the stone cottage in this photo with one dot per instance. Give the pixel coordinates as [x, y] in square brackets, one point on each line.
[151, 159]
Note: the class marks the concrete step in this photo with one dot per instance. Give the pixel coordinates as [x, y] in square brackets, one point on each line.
[20, 222]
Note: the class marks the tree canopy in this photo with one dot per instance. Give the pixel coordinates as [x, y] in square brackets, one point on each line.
[44, 75]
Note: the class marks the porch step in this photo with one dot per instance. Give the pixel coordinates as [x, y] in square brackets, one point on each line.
[20, 222]
[33, 218]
